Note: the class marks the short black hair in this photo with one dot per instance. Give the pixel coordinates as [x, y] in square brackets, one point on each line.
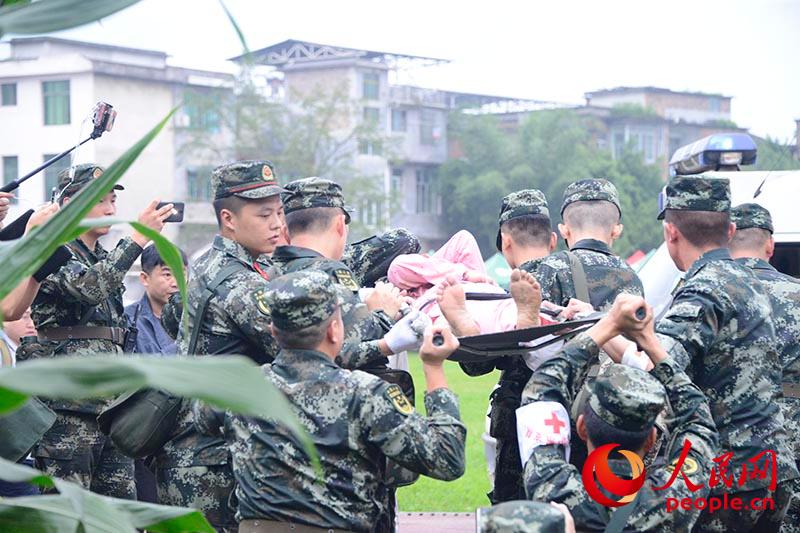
[151, 259]
[601, 432]
[304, 339]
[528, 230]
[311, 220]
[591, 214]
[234, 204]
[750, 239]
[701, 228]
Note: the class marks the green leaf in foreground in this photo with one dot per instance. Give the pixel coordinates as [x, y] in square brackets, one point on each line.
[76, 509]
[27, 254]
[53, 15]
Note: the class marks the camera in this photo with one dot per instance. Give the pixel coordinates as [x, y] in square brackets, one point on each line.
[103, 118]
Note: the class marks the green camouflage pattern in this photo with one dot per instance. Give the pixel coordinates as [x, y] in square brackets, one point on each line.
[171, 315]
[74, 449]
[299, 300]
[520, 517]
[314, 192]
[83, 174]
[607, 275]
[720, 329]
[696, 193]
[356, 421]
[590, 190]
[752, 216]
[245, 179]
[370, 258]
[521, 203]
[627, 398]
[549, 477]
[208, 488]
[363, 329]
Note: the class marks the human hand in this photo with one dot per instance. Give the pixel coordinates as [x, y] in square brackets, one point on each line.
[630, 314]
[435, 354]
[152, 218]
[575, 307]
[386, 297]
[5, 205]
[42, 215]
[407, 333]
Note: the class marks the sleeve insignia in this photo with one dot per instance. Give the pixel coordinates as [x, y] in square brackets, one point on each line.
[260, 297]
[689, 466]
[399, 400]
[344, 277]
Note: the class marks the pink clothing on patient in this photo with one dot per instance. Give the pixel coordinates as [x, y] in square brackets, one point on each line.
[420, 274]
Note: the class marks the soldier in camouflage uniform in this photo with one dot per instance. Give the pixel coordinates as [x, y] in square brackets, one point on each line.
[78, 311]
[524, 236]
[621, 409]
[355, 419]
[317, 218]
[369, 259]
[720, 328]
[752, 246]
[525, 517]
[193, 470]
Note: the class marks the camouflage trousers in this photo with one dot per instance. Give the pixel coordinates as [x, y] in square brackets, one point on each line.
[74, 449]
[749, 519]
[791, 413]
[206, 488]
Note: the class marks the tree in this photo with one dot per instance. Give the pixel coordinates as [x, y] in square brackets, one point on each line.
[775, 155]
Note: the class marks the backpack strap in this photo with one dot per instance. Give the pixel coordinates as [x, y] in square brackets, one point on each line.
[578, 277]
[620, 517]
[209, 292]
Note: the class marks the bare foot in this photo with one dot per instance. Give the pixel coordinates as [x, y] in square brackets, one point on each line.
[528, 296]
[453, 303]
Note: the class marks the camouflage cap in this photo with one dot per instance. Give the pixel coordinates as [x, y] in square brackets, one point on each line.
[301, 299]
[245, 179]
[591, 190]
[752, 216]
[314, 192]
[627, 398]
[521, 203]
[695, 193]
[520, 516]
[83, 174]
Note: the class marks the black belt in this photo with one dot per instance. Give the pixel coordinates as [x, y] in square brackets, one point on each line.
[68, 333]
[272, 526]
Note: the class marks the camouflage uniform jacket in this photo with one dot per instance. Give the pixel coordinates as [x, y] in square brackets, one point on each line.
[784, 293]
[363, 329]
[549, 477]
[606, 275]
[236, 322]
[356, 421]
[89, 285]
[720, 329]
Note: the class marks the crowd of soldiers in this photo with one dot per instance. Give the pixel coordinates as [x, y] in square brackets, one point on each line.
[699, 394]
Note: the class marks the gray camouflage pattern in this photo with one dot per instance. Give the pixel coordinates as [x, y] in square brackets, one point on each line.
[720, 329]
[520, 517]
[363, 329]
[356, 421]
[590, 190]
[696, 193]
[245, 179]
[299, 300]
[518, 204]
[208, 488]
[370, 258]
[752, 216]
[83, 174]
[627, 398]
[549, 477]
[312, 192]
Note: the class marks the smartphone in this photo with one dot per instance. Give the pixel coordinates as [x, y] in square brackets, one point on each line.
[177, 206]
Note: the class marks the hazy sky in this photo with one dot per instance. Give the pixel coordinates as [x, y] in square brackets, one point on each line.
[529, 49]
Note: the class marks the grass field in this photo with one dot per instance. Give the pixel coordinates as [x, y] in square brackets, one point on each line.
[469, 491]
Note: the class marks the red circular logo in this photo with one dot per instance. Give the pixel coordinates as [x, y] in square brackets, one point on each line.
[597, 465]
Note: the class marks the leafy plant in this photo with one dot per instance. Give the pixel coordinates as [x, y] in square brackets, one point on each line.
[26, 17]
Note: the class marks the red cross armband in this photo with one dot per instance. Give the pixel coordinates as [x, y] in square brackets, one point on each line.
[541, 424]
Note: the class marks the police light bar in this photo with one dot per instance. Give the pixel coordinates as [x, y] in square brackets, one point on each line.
[713, 152]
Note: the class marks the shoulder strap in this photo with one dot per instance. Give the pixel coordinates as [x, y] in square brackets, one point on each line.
[620, 517]
[578, 278]
[208, 293]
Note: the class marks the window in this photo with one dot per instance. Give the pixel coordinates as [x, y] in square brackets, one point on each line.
[51, 174]
[397, 181]
[370, 86]
[714, 104]
[427, 200]
[202, 112]
[10, 171]
[428, 130]
[372, 116]
[9, 94]
[56, 102]
[370, 147]
[398, 120]
[648, 148]
[619, 144]
[198, 184]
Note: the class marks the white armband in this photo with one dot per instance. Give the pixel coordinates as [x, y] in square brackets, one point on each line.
[540, 424]
[634, 358]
